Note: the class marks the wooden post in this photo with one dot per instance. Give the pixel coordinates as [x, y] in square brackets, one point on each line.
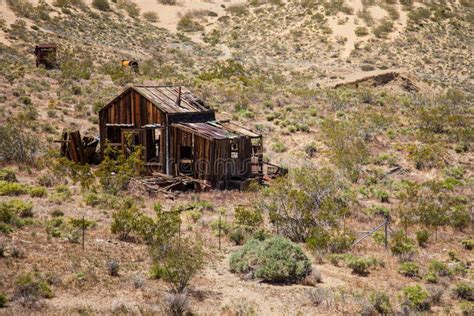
[386, 232]
[220, 215]
[178, 101]
[179, 231]
[83, 232]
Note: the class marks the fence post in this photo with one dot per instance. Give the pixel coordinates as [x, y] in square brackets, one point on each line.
[179, 232]
[83, 232]
[220, 215]
[386, 232]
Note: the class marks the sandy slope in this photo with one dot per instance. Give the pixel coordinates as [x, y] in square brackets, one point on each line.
[342, 25]
[169, 15]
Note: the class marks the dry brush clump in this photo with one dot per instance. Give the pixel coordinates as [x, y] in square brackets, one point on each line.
[31, 287]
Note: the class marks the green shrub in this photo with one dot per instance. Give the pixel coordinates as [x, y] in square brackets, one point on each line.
[439, 268]
[151, 17]
[222, 224]
[279, 147]
[361, 31]
[7, 174]
[381, 302]
[310, 149]
[66, 3]
[30, 287]
[422, 237]
[160, 230]
[431, 277]
[102, 5]
[103, 200]
[46, 180]
[53, 227]
[187, 24]
[115, 170]
[464, 291]
[249, 219]
[237, 236]
[237, 9]
[427, 156]
[60, 194]
[57, 213]
[76, 65]
[382, 196]
[132, 9]
[419, 14]
[12, 188]
[3, 300]
[226, 69]
[416, 297]
[38, 192]
[118, 74]
[460, 217]
[274, 260]
[341, 242]
[468, 244]
[126, 221]
[319, 239]
[194, 215]
[401, 245]
[13, 213]
[409, 269]
[23, 8]
[458, 268]
[384, 28]
[467, 308]
[82, 223]
[156, 271]
[359, 265]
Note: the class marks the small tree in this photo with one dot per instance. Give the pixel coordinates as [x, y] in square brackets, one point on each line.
[179, 263]
[17, 145]
[305, 199]
[409, 197]
[348, 147]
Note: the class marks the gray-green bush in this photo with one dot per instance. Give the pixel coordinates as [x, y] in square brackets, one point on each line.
[275, 260]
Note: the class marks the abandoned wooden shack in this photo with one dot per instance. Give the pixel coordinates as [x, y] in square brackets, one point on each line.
[180, 136]
[46, 56]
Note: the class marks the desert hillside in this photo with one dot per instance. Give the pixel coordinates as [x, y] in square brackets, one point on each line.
[367, 103]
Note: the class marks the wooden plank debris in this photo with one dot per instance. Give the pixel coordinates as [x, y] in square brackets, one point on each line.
[164, 183]
[77, 149]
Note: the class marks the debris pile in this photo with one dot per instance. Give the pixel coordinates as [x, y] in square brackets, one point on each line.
[78, 150]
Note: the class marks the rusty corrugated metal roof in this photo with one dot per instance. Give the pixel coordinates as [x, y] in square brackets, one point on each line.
[166, 98]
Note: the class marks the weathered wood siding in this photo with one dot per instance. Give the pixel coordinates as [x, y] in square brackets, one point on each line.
[212, 157]
[131, 108]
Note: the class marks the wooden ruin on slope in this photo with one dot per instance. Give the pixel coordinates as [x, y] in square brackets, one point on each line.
[46, 55]
[181, 137]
